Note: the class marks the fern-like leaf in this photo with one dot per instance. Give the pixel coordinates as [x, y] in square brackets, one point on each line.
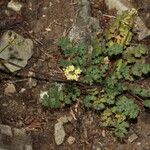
[127, 107]
[147, 103]
[115, 49]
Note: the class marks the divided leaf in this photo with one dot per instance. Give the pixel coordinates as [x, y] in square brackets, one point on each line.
[60, 95]
[147, 103]
[115, 49]
[127, 107]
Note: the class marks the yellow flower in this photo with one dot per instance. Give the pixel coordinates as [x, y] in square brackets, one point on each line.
[78, 71]
[72, 73]
[71, 68]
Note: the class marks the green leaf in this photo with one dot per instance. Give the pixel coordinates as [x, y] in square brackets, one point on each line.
[99, 103]
[90, 98]
[127, 107]
[147, 103]
[60, 95]
[135, 54]
[121, 129]
[97, 47]
[93, 74]
[81, 49]
[64, 43]
[64, 63]
[115, 49]
[140, 69]
[143, 92]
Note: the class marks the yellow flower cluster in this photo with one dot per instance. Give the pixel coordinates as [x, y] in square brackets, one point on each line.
[72, 73]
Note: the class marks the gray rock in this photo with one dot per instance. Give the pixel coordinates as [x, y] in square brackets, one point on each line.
[64, 119]
[16, 49]
[122, 5]
[59, 133]
[132, 138]
[3, 148]
[18, 146]
[85, 25]
[84, 12]
[32, 83]
[10, 89]
[14, 5]
[143, 31]
[98, 148]
[21, 137]
[71, 140]
[20, 133]
[28, 147]
[17, 139]
[42, 94]
[97, 145]
[6, 130]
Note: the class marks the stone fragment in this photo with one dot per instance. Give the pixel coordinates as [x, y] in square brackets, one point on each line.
[59, 133]
[14, 5]
[32, 83]
[42, 94]
[16, 49]
[20, 139]
[64, 119]
[10, 89]
[6, 130]
[19, 132]
[71, 140]
[28, 147]
[17, 139]
[143, 31]
[3, 148]
[120, 5]
[59, 129]
[85, 26]
[22, 90]
[138, 143]
[97, 145]
[98, 148]
[132, 138]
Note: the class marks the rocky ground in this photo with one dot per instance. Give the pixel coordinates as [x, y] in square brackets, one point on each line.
[37, 25]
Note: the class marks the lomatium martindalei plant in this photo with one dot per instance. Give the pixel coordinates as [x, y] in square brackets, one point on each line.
[109, 71]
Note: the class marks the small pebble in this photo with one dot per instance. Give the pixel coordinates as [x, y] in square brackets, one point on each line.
[22, 90]
[10, 89]
[32, 83]
[103, 133]
[48, 29]
[132, 138]
[138, 143]
[50, 4]
[16, 6]
[71, 140]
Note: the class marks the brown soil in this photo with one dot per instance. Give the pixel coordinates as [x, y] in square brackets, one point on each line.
[45, 22]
